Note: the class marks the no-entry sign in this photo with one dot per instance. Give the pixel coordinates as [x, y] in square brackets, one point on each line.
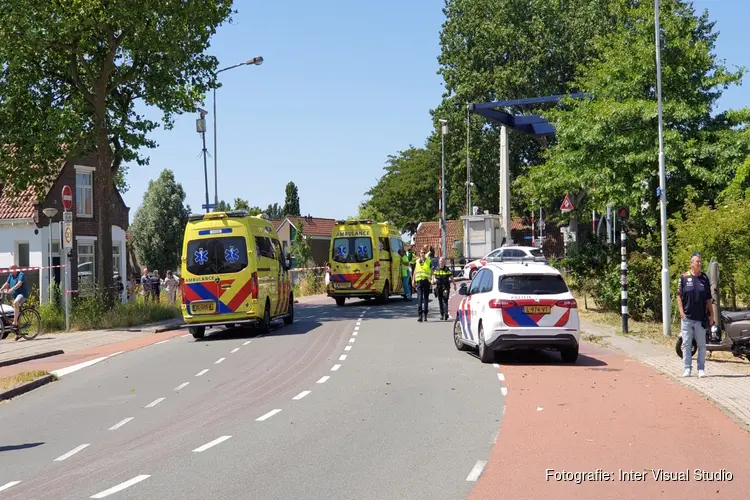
[67, 197]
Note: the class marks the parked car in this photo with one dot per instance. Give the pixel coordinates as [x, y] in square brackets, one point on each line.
[504, 254]
[517, 305]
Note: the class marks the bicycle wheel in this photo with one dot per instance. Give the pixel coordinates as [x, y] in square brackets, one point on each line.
[30, 324]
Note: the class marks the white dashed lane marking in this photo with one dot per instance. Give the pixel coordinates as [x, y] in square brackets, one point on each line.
[211, 444]
[500, 377]
[354, 334]
[476, 471]
[268, 415]
[72, 452]
[247, 342]
[181, 386]
[335, 368]
[202, 372]
[234, 350]
[154, 403]
[121, 423]
[504, 391]
[323, 379]
[186, 335]
[121, 486]
[219, 360]
[351, 340]
[348, 348]
[162, 342]
[8, 485]
[301, 395]
[342, 357]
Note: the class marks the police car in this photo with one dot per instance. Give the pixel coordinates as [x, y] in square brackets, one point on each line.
[504, 254]
[517, 305]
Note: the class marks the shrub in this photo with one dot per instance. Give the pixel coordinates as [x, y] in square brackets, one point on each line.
[311, 284]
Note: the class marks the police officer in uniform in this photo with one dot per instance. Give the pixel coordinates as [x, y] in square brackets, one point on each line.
[405, 270]
[443, 277]
[412, 258]
[421, 281]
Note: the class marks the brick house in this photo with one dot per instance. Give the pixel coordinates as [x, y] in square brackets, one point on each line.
[317, 230]
[25, 230]
[428, 233]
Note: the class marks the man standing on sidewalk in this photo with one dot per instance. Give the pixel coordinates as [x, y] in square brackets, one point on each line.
[421, 281]
[694, 302]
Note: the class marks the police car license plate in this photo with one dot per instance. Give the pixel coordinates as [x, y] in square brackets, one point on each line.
[537, 309]
[204, 308]
[342, 286]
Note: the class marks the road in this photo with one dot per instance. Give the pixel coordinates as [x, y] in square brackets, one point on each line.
[358, 402]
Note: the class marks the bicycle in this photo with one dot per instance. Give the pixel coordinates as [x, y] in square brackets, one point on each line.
[29, 323]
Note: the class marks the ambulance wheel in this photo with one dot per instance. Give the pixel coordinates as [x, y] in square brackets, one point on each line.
[198, 332]
[340, 301]
[265, 323]
[486, 355]
[289, 318]
[458, 336]
[383, 299]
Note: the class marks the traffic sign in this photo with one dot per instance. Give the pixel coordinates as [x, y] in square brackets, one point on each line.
[67, 234]
[67, 197]
[566, 206]
[205, 207]
[67, 216]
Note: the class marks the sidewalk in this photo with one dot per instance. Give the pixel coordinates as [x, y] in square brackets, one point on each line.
[75, 342]
[727, 383]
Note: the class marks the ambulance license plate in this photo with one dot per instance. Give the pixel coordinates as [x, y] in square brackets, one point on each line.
[342, 286]
[204, 308]
[537, 309]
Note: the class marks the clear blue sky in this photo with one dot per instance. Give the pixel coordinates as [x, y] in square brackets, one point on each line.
[343, 85]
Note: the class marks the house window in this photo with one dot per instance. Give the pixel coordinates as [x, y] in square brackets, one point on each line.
[22, 254]
[116, 258]
[55, 248]
[84, 193]
[86, 270]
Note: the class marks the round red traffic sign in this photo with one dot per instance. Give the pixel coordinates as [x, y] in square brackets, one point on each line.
[67, 197]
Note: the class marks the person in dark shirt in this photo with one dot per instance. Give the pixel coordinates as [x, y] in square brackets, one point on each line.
[16, 287]
[694, 302]
[156, 286]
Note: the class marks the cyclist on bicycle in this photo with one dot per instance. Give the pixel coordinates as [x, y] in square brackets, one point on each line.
[16, 286]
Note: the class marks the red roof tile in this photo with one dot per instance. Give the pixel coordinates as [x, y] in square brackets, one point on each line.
[18, 207]
[314, 226]
[277, 224]
[428, 234]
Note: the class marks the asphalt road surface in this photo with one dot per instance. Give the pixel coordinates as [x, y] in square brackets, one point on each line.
[360, 401]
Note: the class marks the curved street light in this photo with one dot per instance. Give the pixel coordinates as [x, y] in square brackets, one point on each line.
[254, 61]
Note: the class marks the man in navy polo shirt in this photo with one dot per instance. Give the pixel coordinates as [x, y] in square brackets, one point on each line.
[694, 302]
[16, 286]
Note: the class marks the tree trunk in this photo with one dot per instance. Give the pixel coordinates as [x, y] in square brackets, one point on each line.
[103, 194]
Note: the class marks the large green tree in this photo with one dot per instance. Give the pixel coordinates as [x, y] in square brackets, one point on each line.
[159, 223]
[291, 200]
[72, 74]
[274, 212]
[606, 148]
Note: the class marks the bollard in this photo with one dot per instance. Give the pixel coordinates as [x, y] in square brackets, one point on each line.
[624, 282]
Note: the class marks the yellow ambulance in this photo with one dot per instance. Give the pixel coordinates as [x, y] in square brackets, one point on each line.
[234, 273]
[364, 261]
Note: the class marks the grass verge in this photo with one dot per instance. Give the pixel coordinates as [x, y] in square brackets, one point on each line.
[90, 314]
[12, 381]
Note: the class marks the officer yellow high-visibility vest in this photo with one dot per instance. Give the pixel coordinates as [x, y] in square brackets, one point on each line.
[404, 266]
[412, 257]
[423, 270]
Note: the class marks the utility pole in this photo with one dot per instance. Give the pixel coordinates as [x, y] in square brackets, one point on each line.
[662, 192]
[200, 126]
[504, 181]
[443, 237]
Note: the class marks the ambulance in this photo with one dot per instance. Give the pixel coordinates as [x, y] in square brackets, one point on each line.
[234, 273]
[364, 261]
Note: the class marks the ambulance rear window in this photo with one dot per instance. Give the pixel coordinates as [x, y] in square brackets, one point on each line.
[352, 249]
[216, 256]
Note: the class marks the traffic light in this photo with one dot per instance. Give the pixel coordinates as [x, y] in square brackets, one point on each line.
[623, 212]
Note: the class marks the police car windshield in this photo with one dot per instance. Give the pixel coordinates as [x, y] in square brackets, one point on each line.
[533, 284]
[351, 249]
[216, 256]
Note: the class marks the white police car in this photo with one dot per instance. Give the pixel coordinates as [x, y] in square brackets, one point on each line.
[517, 305]
[504, 254]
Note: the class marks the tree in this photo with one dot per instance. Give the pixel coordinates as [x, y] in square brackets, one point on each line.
[223, 206]
[606, 148]
[291, 201]
[240, 204]
[159, 223]
[274, 212]
[408, 191]
[301, 247]
[72, 73]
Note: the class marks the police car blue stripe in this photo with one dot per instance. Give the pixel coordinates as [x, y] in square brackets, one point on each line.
[520, 317]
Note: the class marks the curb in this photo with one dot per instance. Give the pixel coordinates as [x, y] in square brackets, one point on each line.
[167, 328]
[27, 387]
[32, 357]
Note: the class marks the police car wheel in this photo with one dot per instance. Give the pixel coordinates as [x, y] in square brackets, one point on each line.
[486, 355]
[289, 318]
[198, 332]
[569, 354]
[458, 336]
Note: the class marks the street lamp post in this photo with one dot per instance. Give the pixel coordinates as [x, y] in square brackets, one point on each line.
[665, 298]
[200, 127]
[443, 243]
[50, 213]
[256, 61]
